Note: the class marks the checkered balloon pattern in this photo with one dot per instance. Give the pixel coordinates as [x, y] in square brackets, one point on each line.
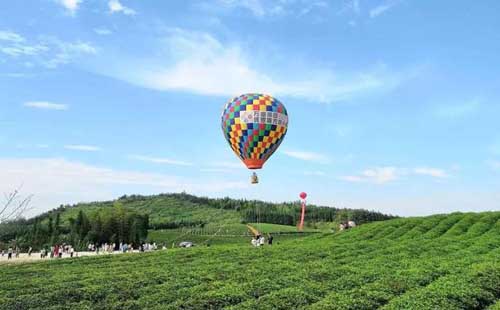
[254, 125]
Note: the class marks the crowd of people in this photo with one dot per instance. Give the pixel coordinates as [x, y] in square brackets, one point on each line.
[56, 251]
[67, 250]
[259, 240]
[11, 251]
[122, 247]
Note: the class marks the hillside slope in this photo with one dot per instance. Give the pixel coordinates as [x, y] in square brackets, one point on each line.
[181, 209]
[437, 262]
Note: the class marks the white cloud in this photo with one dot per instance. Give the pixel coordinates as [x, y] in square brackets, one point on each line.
[202, 64]
[307, 156]
[15, 45]
[458, 110]
[70, 5]
[160, 160]
[350, 6]
[68, 51]
[381, 9]
[378, 175]
[83, 148]
[46, 105]
[257, 7]
[116, 7]
[55, 181]
[103, 31]
[433, 172]
[46, 51]
[11, 36]
[382, 175]
[267, 8]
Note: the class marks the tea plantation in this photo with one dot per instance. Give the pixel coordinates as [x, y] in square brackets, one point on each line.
[437, 262]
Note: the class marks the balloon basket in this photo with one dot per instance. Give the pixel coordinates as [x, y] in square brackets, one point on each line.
[254, 179]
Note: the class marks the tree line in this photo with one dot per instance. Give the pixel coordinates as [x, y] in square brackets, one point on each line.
[107, 225]
[285, 213]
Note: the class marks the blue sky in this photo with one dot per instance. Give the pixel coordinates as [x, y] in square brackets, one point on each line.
[393, 104]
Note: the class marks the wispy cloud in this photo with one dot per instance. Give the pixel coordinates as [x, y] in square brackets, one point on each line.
[268, 8]
[103, 31]
[46, 105]
[160, 160]
[70, 5]
[47, 51]
[307, 156]
[202, 64]
[383, 8]
[351, 6]
[257, 7]
[378, 175]
[115, 6]
[55, 181]
[458, 110]
[15, 45]
[10, 36]
[382, 175]
[433, 172]
[68, 51]
[83, 148]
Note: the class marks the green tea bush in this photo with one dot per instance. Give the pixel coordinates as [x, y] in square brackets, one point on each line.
[437, 262]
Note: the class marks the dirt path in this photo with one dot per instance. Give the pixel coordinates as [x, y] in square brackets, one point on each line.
[24, 258]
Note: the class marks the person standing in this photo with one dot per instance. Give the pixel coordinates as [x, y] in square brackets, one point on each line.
[29, 251]
[9, 253]
[270, 239]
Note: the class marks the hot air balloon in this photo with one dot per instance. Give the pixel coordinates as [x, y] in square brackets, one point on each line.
[254, 125]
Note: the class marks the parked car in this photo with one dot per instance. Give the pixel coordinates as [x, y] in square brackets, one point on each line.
[186, 244]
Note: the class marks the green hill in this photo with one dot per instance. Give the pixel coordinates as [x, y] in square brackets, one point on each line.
[169, 217]
[437, 262]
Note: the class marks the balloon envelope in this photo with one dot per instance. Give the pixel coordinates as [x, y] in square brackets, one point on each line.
[254, 125]
[303, 195]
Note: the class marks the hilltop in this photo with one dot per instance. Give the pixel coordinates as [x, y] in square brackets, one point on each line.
[437, 262]
[168, 216]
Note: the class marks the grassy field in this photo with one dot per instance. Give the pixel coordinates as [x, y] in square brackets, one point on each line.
[438, 262]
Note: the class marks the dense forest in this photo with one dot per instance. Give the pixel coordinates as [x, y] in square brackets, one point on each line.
[129, 218]
[108, 225]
